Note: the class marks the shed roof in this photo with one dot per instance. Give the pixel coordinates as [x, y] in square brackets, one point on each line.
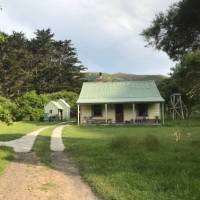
[57, 105]
[119, 92]
[64, 103]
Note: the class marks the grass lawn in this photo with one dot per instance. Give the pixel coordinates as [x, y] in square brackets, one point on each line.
[138, 163]
[42, 146]
[18, 129]
[6, 155]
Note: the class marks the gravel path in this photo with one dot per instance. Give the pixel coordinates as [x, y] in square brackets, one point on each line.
[25, 143]
[26, 178]
[56, 139]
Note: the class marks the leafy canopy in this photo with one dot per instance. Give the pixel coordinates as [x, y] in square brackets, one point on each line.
[42, 64]
[187, 75]
[176, 31]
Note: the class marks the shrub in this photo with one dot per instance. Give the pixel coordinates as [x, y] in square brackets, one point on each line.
[31, 105]
[7, 104]
[151, 142]
[8, 110]
[5, 115]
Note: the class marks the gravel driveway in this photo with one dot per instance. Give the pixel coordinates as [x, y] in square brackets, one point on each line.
[27, 178]
[25, 143]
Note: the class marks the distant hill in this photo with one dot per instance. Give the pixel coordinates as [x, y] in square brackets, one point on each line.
[91, 76]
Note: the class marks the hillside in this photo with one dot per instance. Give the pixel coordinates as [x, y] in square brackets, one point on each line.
[91, 76]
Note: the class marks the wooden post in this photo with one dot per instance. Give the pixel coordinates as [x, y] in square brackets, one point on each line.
[106, 112]
[163, 114]
[133, 113]
[78, 114]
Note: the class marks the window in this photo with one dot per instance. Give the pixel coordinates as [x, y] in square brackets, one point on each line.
[142, 110]
[97, 110]
[50, 111]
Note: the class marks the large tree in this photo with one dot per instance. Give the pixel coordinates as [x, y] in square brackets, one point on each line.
[176, 31]
[13, 63]
[187, 75]
[41, 63]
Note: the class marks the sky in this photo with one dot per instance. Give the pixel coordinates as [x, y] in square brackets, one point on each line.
[106, 33]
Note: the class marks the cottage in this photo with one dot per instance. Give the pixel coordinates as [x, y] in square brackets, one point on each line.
[120, 102]
[57, 110]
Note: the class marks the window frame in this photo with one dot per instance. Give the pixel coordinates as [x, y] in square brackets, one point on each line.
[100, 114]
[146, 110]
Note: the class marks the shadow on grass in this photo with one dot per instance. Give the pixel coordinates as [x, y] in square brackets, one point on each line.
[39, 123]
[9, 153]
[7, 136]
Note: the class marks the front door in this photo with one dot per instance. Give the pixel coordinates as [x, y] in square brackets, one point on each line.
[119, 113]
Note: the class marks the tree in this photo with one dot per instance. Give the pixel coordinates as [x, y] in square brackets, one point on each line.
[42, 64]
[55, 63]
[176, 31]
[187, 75]
[184, 79]
[13, 63]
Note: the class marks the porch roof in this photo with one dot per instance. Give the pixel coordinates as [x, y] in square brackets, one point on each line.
[119, 92]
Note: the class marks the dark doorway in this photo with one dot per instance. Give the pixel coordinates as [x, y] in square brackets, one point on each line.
[119, 113]
[61, 114]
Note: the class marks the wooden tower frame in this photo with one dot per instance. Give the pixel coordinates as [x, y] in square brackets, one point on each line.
[178, 108]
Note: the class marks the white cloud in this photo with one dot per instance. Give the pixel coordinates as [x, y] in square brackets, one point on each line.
[105, 33]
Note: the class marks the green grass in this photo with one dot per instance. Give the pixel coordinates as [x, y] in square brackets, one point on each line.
[18, 129]
[6, 155]
[140, 163]
[42, 147]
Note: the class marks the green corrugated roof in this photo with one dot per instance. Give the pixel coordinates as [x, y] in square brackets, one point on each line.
[119, 92]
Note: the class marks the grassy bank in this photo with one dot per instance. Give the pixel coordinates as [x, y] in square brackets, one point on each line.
[139, 163]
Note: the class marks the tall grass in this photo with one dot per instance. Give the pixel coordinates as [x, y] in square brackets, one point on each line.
[140, 163]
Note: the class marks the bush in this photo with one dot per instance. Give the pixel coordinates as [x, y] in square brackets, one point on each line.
[8, 110]
[5, 115]
[31, 105]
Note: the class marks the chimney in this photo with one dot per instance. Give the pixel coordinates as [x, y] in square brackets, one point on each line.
[100, 78]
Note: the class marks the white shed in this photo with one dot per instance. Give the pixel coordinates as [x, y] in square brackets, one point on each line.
[66, 109]
[59, 110]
